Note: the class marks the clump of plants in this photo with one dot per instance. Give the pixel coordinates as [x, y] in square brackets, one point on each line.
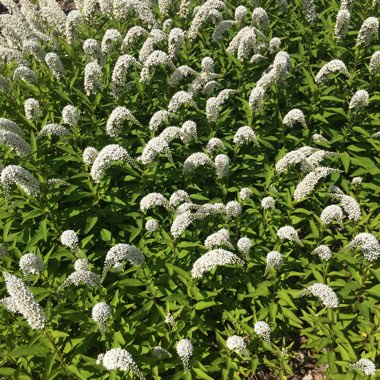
[189, 189]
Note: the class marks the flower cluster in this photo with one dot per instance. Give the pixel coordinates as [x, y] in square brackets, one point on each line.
[332, 67]
[365, 365]
[185, 352]
[369, 245]
[237, 344]
[121, 252]
[70, 239]
[324, 293]
[119, 359]
[30, 263]
[101, 312]
[212, 259]
[289, 233]
[22, 301]
[262, 329]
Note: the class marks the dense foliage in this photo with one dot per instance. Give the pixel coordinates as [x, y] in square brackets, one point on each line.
[190, 189]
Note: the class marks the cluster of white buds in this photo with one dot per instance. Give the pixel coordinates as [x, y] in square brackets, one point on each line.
[245, 135]
[14, 174]
[369, 31]
[260, 18]
[185, 352]
[116, 120]
[73, 21]
[70, 115]
[175, 39]
[324, 293]
[5, 85]
[359, 100]
[15, 142]
[324, 252]
[119, 74]
[343, 19]
[244, 245]
[274, 261]
[55, 65]
[349, 205]
[369, 245]
[34, 48]
[160, 353]
[121, 252]
[318, 138]
[179, 99]
[156, 58]
[170, 321]
[214, 144]
[159, 144]
[111, 39]
[309, 11]
[89, 155]
[240, 13]
[268, 202]
[222, 163]
[293, 117]
[262, 329]
[153, 200]
[81, 275]
[244, 43]
[237, 344]
[274, 45]
[105, 157]
[188, 131]
[70, 239]
[282, 5]
[32, 109]
[178, 197]
[152, 225]
[93, 50]
[203, 13]
[333, 67]
[307, 185]
[356, 181]
[26, 74]
[22, 301]
[156, 36]
[220, 28]
[374, 64]
[119, 359]
[213, 104]
[293, 157]
[212, 259]
[142, 10]
[233, 209]
[218, 239]
[196, 160]
[277, 74]
[92, 77]
[133, 35]
[158, 118]
[365, 365]
[245, 193]
[331, 214]
[289, 233]
[101, 312]
[53, 129]
[30, 263]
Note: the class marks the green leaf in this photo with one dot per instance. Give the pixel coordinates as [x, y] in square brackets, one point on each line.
[35, 350]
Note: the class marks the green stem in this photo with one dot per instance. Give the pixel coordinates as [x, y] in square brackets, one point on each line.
[57, 351]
